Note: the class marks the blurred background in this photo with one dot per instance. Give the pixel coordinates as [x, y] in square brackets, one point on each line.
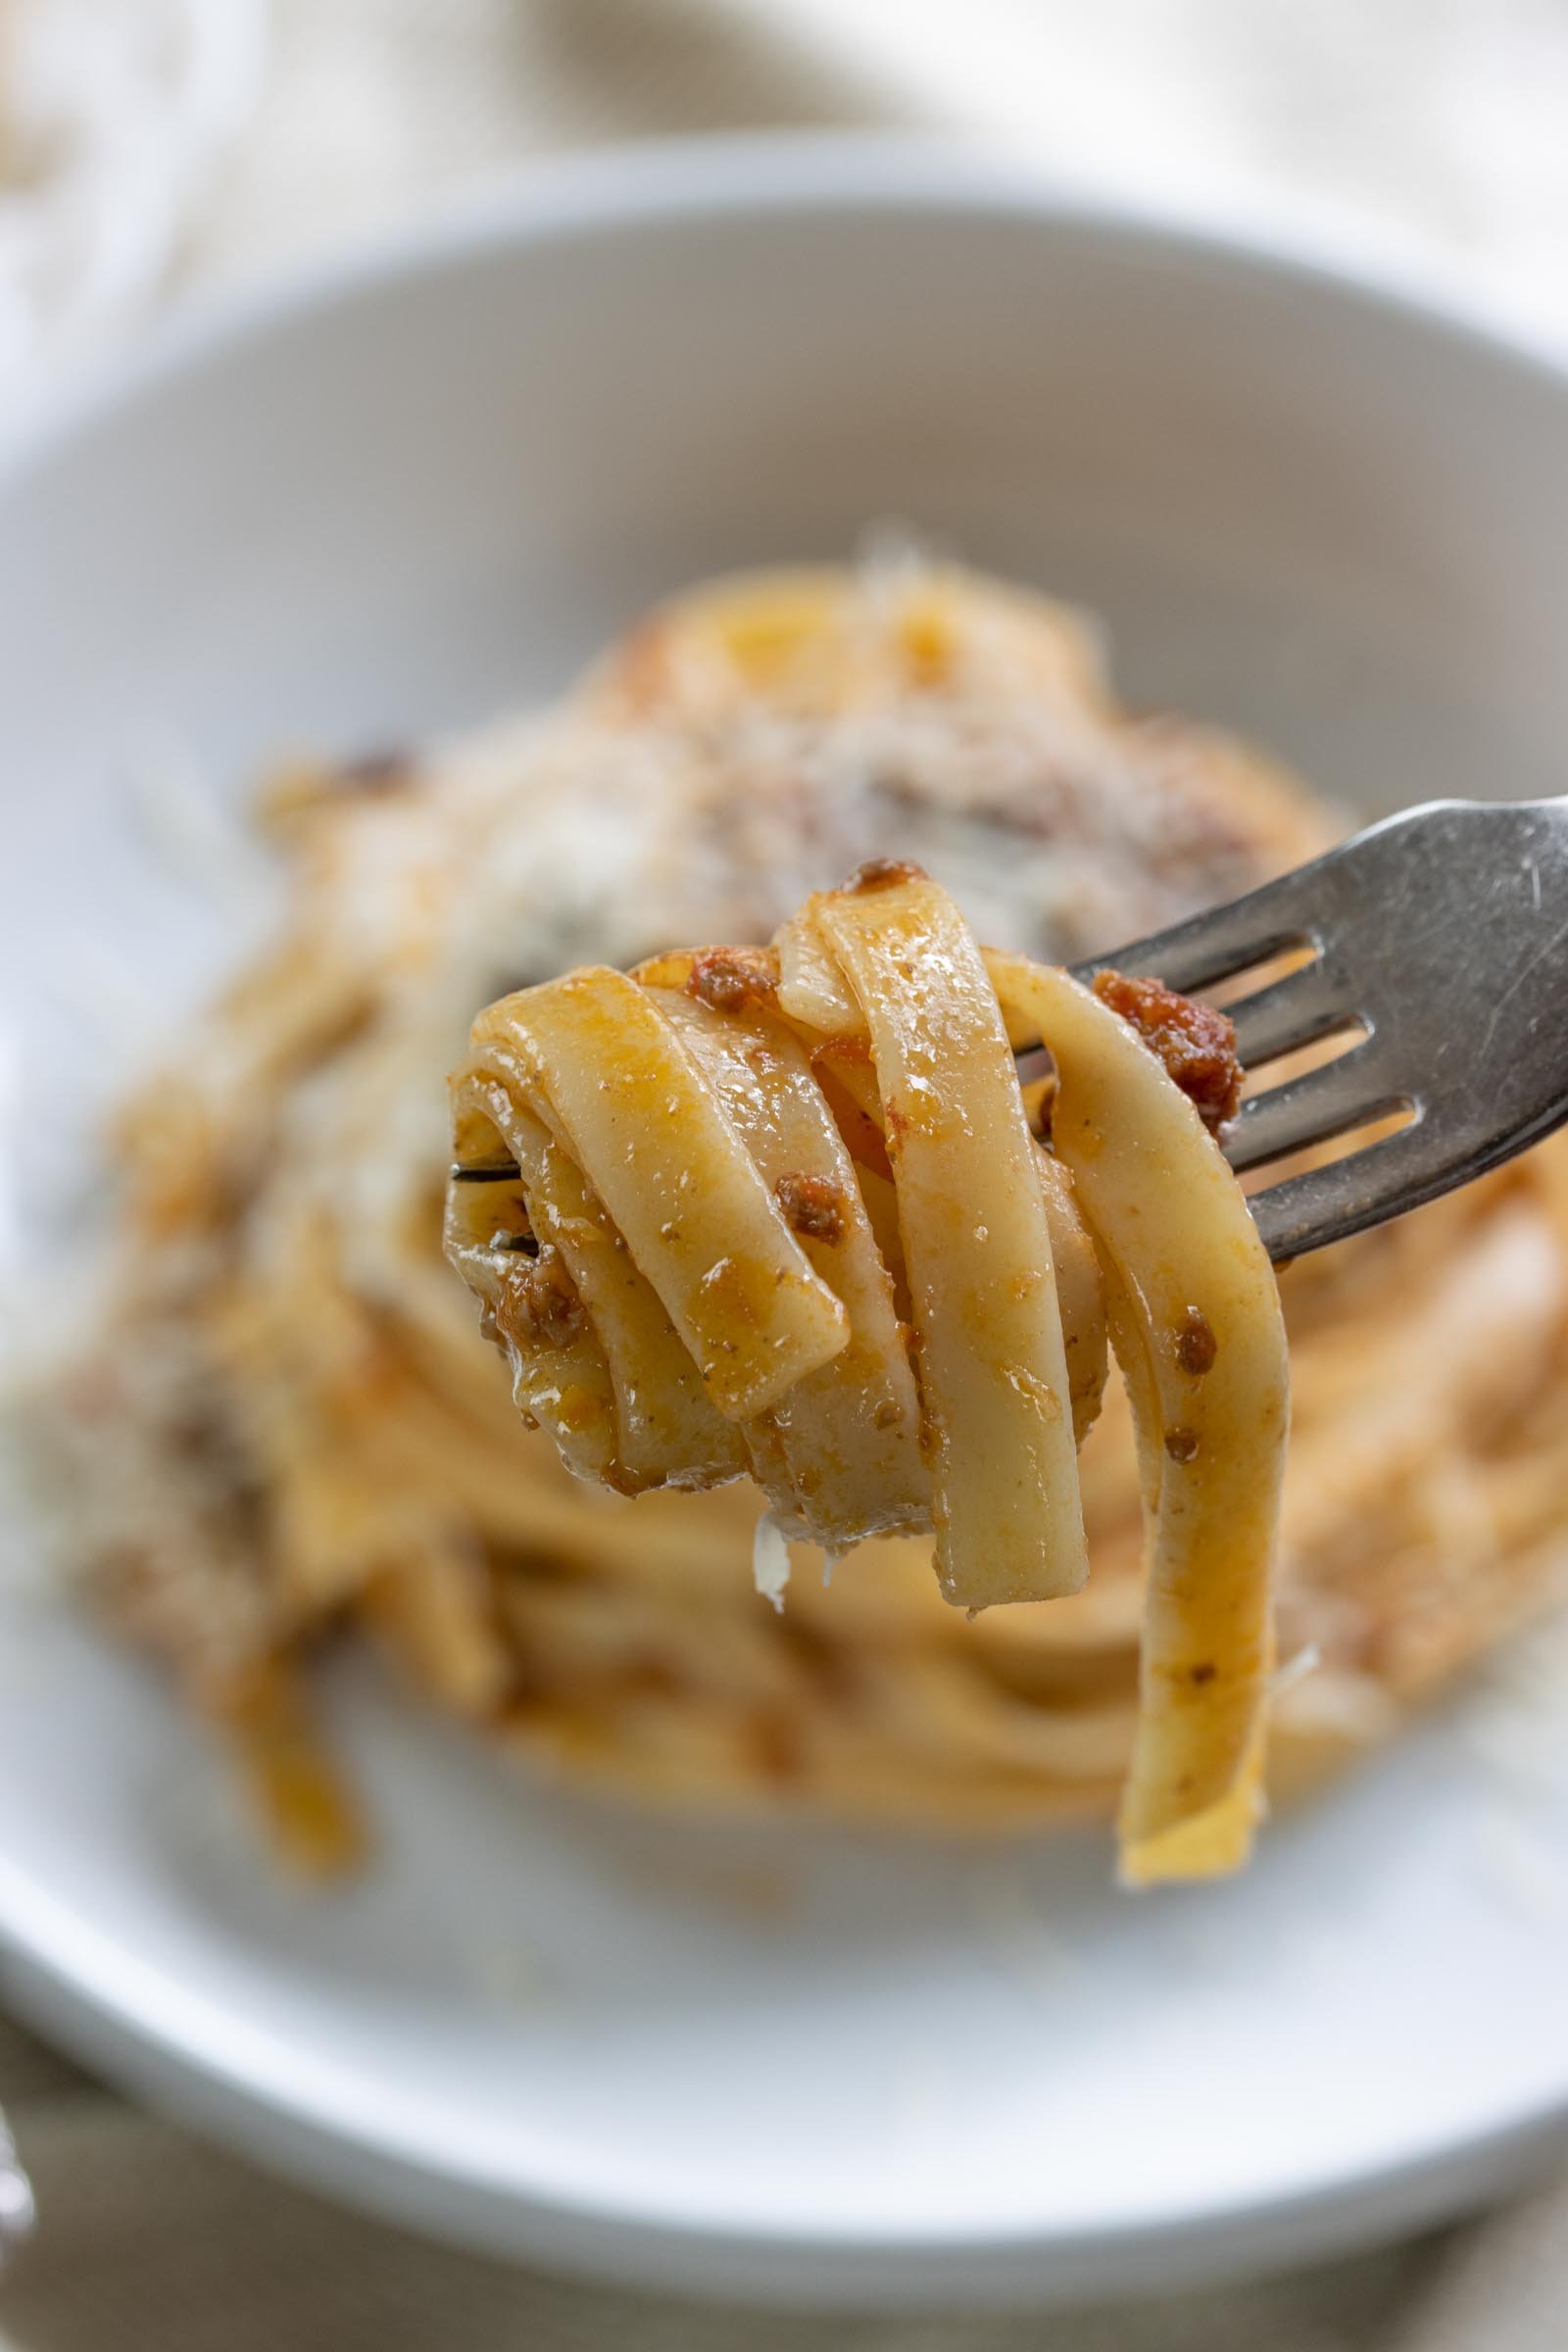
[155, 151]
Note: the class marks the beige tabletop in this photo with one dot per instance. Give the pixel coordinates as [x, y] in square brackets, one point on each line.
[1435, 125]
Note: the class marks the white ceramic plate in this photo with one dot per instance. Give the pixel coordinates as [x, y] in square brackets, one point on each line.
[409, 493]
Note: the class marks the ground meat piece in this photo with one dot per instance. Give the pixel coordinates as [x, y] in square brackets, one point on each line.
[537, 1300]
[882, 874]
[1196, 1043]
[726, 979]
[1182, 1444]
[385, 769]
[812, 1206]
[1196, 1343]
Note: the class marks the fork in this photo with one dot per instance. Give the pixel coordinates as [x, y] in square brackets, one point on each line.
[1441, 935]
[1438, 938]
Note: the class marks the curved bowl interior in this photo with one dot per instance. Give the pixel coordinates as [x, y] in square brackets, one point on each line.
[421, 491]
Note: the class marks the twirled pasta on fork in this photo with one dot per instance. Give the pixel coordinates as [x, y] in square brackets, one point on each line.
[789, 1210]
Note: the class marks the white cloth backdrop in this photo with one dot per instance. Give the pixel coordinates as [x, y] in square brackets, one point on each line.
[1436, 125]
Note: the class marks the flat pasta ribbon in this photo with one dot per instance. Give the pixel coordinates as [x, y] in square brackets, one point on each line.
[1195, 1322]
[784, 1211]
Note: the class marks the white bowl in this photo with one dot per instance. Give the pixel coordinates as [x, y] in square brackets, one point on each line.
[420, 488]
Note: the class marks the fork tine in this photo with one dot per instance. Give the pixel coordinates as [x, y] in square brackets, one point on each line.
[1224, 940]
[1308, 1109]
[1329, 1204]
[1298, 1011]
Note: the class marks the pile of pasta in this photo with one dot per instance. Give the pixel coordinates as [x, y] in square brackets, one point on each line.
[784, 1212]
[280, 1432]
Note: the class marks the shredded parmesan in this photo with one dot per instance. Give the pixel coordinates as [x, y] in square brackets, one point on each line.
[771, 1560]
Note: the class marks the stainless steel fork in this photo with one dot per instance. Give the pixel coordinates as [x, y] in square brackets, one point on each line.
[1441, 936]
[1440, 940]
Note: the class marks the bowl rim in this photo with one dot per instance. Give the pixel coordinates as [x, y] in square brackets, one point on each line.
[790, 172]
[192, 2054]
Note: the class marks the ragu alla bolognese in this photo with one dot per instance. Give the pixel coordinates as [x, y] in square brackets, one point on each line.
[279, 1429]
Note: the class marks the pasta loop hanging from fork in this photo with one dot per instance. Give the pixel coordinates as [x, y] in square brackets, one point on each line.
[783, 1210]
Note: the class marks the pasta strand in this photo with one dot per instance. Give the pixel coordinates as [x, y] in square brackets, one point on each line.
[724, 1246]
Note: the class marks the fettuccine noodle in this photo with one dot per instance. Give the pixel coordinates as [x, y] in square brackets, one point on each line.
[664, 1223]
